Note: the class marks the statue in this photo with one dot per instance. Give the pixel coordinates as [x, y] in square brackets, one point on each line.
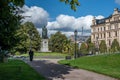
[44, 33]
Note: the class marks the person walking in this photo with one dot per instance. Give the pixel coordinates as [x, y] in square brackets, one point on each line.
[31, 53]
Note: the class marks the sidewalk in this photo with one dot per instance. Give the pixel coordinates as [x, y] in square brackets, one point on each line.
[54, 71]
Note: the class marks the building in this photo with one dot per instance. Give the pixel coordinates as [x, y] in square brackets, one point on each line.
[106, 29]
[80, 39]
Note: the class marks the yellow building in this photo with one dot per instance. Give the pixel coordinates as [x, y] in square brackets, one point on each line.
[106, 29]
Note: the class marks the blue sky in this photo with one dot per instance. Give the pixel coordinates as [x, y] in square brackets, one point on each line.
[58, 16]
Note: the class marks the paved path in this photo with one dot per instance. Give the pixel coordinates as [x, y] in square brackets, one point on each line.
[54, 71]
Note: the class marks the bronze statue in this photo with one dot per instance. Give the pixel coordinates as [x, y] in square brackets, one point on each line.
[44, 33]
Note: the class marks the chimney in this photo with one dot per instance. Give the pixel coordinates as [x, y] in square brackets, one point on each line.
[115, 11]
[94, 21]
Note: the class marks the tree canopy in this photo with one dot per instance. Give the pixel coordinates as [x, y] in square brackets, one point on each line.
[115, 46]
[29, 38]
[9, 21]
[57, 41]
[103, 47]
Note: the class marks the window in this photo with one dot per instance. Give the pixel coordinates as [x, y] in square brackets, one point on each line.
[109, 43]
[116, 26]
[116, 33]
[109, 27]
[104, 28]
[104, 35]
[101, 35]
[109, 34]
[116, 18]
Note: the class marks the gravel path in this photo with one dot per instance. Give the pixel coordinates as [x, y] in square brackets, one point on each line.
[54, 71]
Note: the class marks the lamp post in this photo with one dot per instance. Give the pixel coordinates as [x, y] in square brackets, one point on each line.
[75, 35]
[97, 44]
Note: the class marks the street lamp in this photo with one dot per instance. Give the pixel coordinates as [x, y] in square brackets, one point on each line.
[75, 35]
[97, 44]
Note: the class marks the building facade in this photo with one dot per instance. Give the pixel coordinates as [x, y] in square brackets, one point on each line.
[106, 29]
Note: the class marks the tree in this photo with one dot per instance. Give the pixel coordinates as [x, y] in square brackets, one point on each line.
[115, 46]
[73, 3]
[91, 46]
[84, 48]
[9, 21]
[57, 41]
[103, 46]
[29, 36]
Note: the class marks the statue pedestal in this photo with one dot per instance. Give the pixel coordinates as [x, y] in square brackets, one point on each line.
[44, 45]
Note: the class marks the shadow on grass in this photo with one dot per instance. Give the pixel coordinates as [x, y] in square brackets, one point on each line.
[50, 70]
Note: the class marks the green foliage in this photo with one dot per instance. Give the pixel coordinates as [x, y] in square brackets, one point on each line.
[84, 48]
[104, 64]
[103, 47]
[28, 36]
[91, 46]
[115, 47]
[9, 22]
[56, 42]
[18, 70]
[73, 3]
[68, 47]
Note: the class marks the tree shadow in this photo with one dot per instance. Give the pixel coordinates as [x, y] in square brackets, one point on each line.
[50, 70]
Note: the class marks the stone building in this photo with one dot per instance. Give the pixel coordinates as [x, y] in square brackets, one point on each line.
[106, 29]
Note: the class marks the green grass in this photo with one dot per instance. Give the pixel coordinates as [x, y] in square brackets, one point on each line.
[18, 70]
[50, 54]
[108, 64]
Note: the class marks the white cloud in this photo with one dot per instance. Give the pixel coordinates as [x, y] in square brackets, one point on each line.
[117, 1]
[35, 14]
[67, 24]
[64, 23]
[99, 17]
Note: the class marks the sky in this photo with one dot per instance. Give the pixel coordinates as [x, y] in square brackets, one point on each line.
[58, 16]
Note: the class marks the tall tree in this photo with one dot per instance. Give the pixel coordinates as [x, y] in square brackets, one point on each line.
[57, 42]
[91, 46]
[115, 46]
[103, 47]
[9, 21]
[84, 48]
[29, 38]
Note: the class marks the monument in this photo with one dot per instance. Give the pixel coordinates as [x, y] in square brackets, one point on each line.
[44, 42]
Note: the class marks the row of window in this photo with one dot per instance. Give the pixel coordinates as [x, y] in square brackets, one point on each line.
[109, 34]
[109, 27]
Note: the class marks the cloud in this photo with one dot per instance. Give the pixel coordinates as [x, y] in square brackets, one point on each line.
[67, 24]
[117, 1]
[35, 14]
[64, 23]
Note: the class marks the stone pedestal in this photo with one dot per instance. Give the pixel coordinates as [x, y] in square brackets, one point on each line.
[44, 45]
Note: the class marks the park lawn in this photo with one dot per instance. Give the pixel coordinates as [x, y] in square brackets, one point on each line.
[18, 70]
[48, 54]
[108, 64]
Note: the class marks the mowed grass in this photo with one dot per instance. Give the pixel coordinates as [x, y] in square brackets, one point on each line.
[18, 70]
[49, 54]
[108, 64]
